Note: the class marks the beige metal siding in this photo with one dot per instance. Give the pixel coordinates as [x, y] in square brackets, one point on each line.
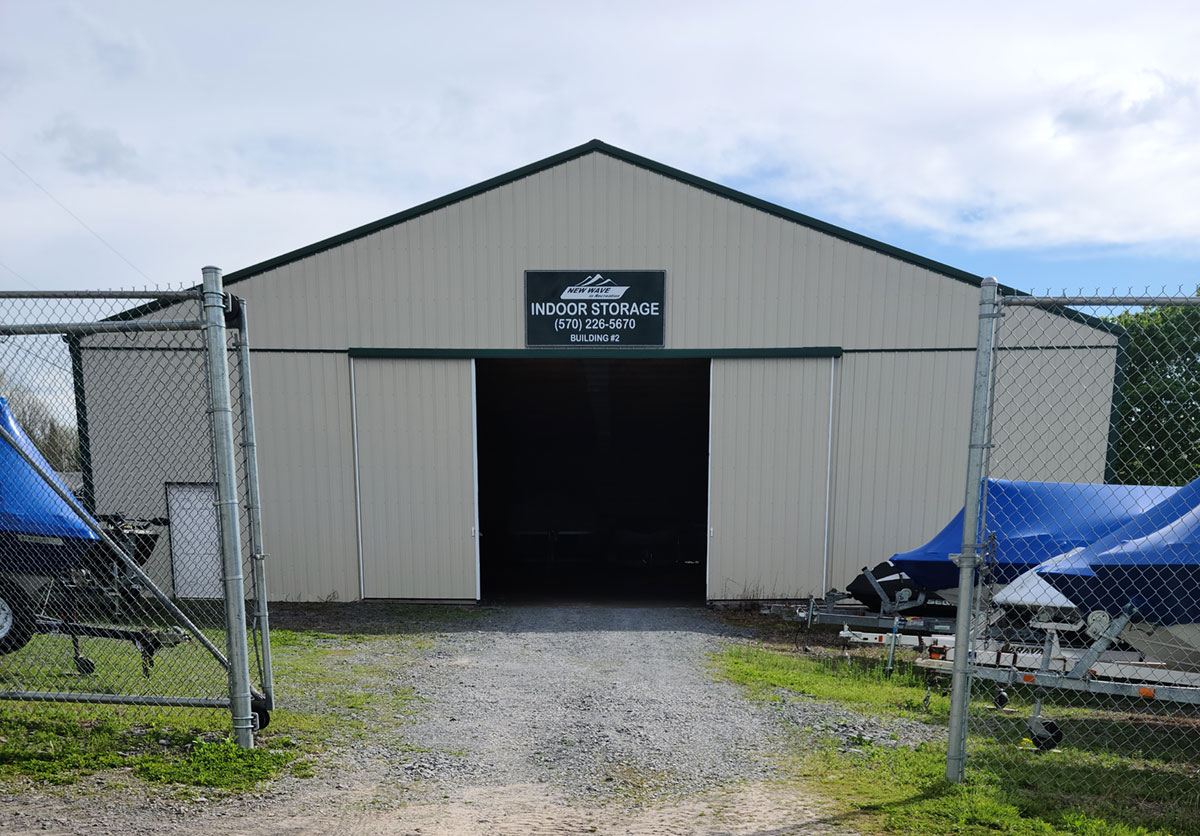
[148, 425]
[770, 433]
[416, 478]
[306, 467]
[1052, 414]
[900, 453]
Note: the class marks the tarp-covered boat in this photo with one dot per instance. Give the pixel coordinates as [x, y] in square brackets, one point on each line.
[39, 533]
[1028, 523]
[1149, 567]
[1152, 562]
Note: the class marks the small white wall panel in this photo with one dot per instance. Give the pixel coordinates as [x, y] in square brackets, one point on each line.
[195, 537]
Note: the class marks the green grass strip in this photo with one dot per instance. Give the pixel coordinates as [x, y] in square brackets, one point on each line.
[771, 674]
[1072, 791]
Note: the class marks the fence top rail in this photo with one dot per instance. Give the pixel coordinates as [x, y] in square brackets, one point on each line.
[103, 327]
[165, 295]
[1102, 301]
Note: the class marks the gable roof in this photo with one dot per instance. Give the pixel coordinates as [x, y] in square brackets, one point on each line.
[598, 147]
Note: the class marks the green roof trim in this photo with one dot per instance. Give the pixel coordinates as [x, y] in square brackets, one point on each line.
[592, 353]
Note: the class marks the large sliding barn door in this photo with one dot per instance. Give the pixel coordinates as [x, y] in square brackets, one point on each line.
[769, 477]
[416, 477]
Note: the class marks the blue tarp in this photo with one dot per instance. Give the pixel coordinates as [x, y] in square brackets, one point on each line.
[1152, 562]
[39, 531]
[1031, 522]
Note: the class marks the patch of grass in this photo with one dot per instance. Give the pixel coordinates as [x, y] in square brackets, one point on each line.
[1081, 789]
[770, 674]
[308, 639]
[219, 764]
[904, 791]
[636, 784]
[52, 746]
[56, 745]
[331, 689]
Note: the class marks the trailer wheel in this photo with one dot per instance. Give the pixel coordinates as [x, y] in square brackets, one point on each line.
[16, 616]
[1048, 737]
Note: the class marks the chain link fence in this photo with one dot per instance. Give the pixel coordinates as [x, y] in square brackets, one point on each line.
[1080, 599]
[131, 561]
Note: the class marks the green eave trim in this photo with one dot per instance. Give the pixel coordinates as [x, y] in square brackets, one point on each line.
[592, 353]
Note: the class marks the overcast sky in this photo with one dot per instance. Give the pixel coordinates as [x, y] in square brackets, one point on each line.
[1056, 145]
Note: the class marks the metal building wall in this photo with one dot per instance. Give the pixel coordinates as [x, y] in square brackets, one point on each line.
[1039, 392]
[737, 277]
[900, 453]
[152, 431]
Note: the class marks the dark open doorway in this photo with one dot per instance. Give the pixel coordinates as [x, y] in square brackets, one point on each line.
[593, 478]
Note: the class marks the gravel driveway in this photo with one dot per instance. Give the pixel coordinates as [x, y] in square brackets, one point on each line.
[593, 701]
[534, 719]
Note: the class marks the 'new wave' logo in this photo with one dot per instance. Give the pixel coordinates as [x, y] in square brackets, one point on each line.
[594, 287]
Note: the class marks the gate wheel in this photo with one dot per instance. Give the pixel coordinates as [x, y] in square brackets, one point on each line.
[262, 717]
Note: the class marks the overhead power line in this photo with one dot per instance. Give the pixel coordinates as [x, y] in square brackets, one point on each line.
[62, 206]
[19, 276]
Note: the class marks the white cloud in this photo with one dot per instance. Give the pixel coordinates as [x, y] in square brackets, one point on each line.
[93, 151]
[233, 132]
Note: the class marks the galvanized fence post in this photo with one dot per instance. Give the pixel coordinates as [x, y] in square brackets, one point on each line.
[227, 503]
[254, 508]
[968, 560]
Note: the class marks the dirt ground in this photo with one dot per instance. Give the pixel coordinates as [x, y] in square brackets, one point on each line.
[532, 720]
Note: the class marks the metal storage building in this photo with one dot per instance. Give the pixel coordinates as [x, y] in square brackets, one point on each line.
[423, 434]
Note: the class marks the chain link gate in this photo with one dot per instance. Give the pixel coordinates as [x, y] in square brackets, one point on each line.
[129, 510]
[1079, 593]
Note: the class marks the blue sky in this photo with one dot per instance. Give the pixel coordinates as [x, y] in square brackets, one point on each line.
[1056, 146]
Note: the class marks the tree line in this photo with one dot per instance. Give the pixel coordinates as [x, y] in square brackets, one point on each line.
[57, 441]
[1156, 438]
